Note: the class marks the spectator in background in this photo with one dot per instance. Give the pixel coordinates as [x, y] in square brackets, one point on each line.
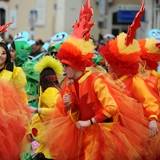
[108, 37]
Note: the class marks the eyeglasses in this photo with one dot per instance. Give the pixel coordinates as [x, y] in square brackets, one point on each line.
[65, 66]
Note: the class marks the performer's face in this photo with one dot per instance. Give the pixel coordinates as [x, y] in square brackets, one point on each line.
[70, 72]
[13, 54]
[3, 57]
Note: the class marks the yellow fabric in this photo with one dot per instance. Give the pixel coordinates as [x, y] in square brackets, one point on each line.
[46, 112]
[84, 77]
[150, 42]
[47, 100]
[123, 77]
[142, 94]
[107, 114]
[17, 78]
[40, 97]
[153, 116]
[155, 73]
[5, 74]
[49, 97]
[105, 98]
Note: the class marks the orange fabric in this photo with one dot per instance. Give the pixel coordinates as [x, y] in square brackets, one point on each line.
[152, 81]
[14, 122]
[97, 98]
[141, 92]
[126, 139]
[146, 52]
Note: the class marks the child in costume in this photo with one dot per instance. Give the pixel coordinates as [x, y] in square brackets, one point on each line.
[50, 69]
[20, 51]
[14, 112]
[123, 56]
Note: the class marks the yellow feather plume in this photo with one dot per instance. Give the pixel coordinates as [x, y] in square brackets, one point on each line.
[123, 49]
[84, 46]
[151, 46]
[49, 61]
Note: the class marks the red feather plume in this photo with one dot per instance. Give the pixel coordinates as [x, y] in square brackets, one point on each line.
[4, 27]
[135, 25]
[83, 26]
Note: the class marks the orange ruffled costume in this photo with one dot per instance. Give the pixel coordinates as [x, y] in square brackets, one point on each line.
[124, 138]
[15, 114]
[14, 121]
[124, 57]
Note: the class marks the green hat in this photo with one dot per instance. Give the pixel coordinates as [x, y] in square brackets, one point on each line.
[23, 50]
[97, 59]
[56, 46]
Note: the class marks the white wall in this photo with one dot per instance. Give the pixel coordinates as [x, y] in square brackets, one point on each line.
[67, 13]
[147, 25]
[4, 6]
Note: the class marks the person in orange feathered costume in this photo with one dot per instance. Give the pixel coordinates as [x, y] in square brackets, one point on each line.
[123, 56]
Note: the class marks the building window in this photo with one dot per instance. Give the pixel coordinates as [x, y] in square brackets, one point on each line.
[2, 19]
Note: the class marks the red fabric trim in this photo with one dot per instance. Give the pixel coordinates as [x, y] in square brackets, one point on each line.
[51, 78]
[152, 119]
[100, 117]
[34, 132]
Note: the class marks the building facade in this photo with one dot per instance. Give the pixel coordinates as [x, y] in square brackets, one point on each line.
[43, 18]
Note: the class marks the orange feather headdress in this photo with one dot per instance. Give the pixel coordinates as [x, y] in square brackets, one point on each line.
[150, 52]
[77, 50]
[123, 53]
